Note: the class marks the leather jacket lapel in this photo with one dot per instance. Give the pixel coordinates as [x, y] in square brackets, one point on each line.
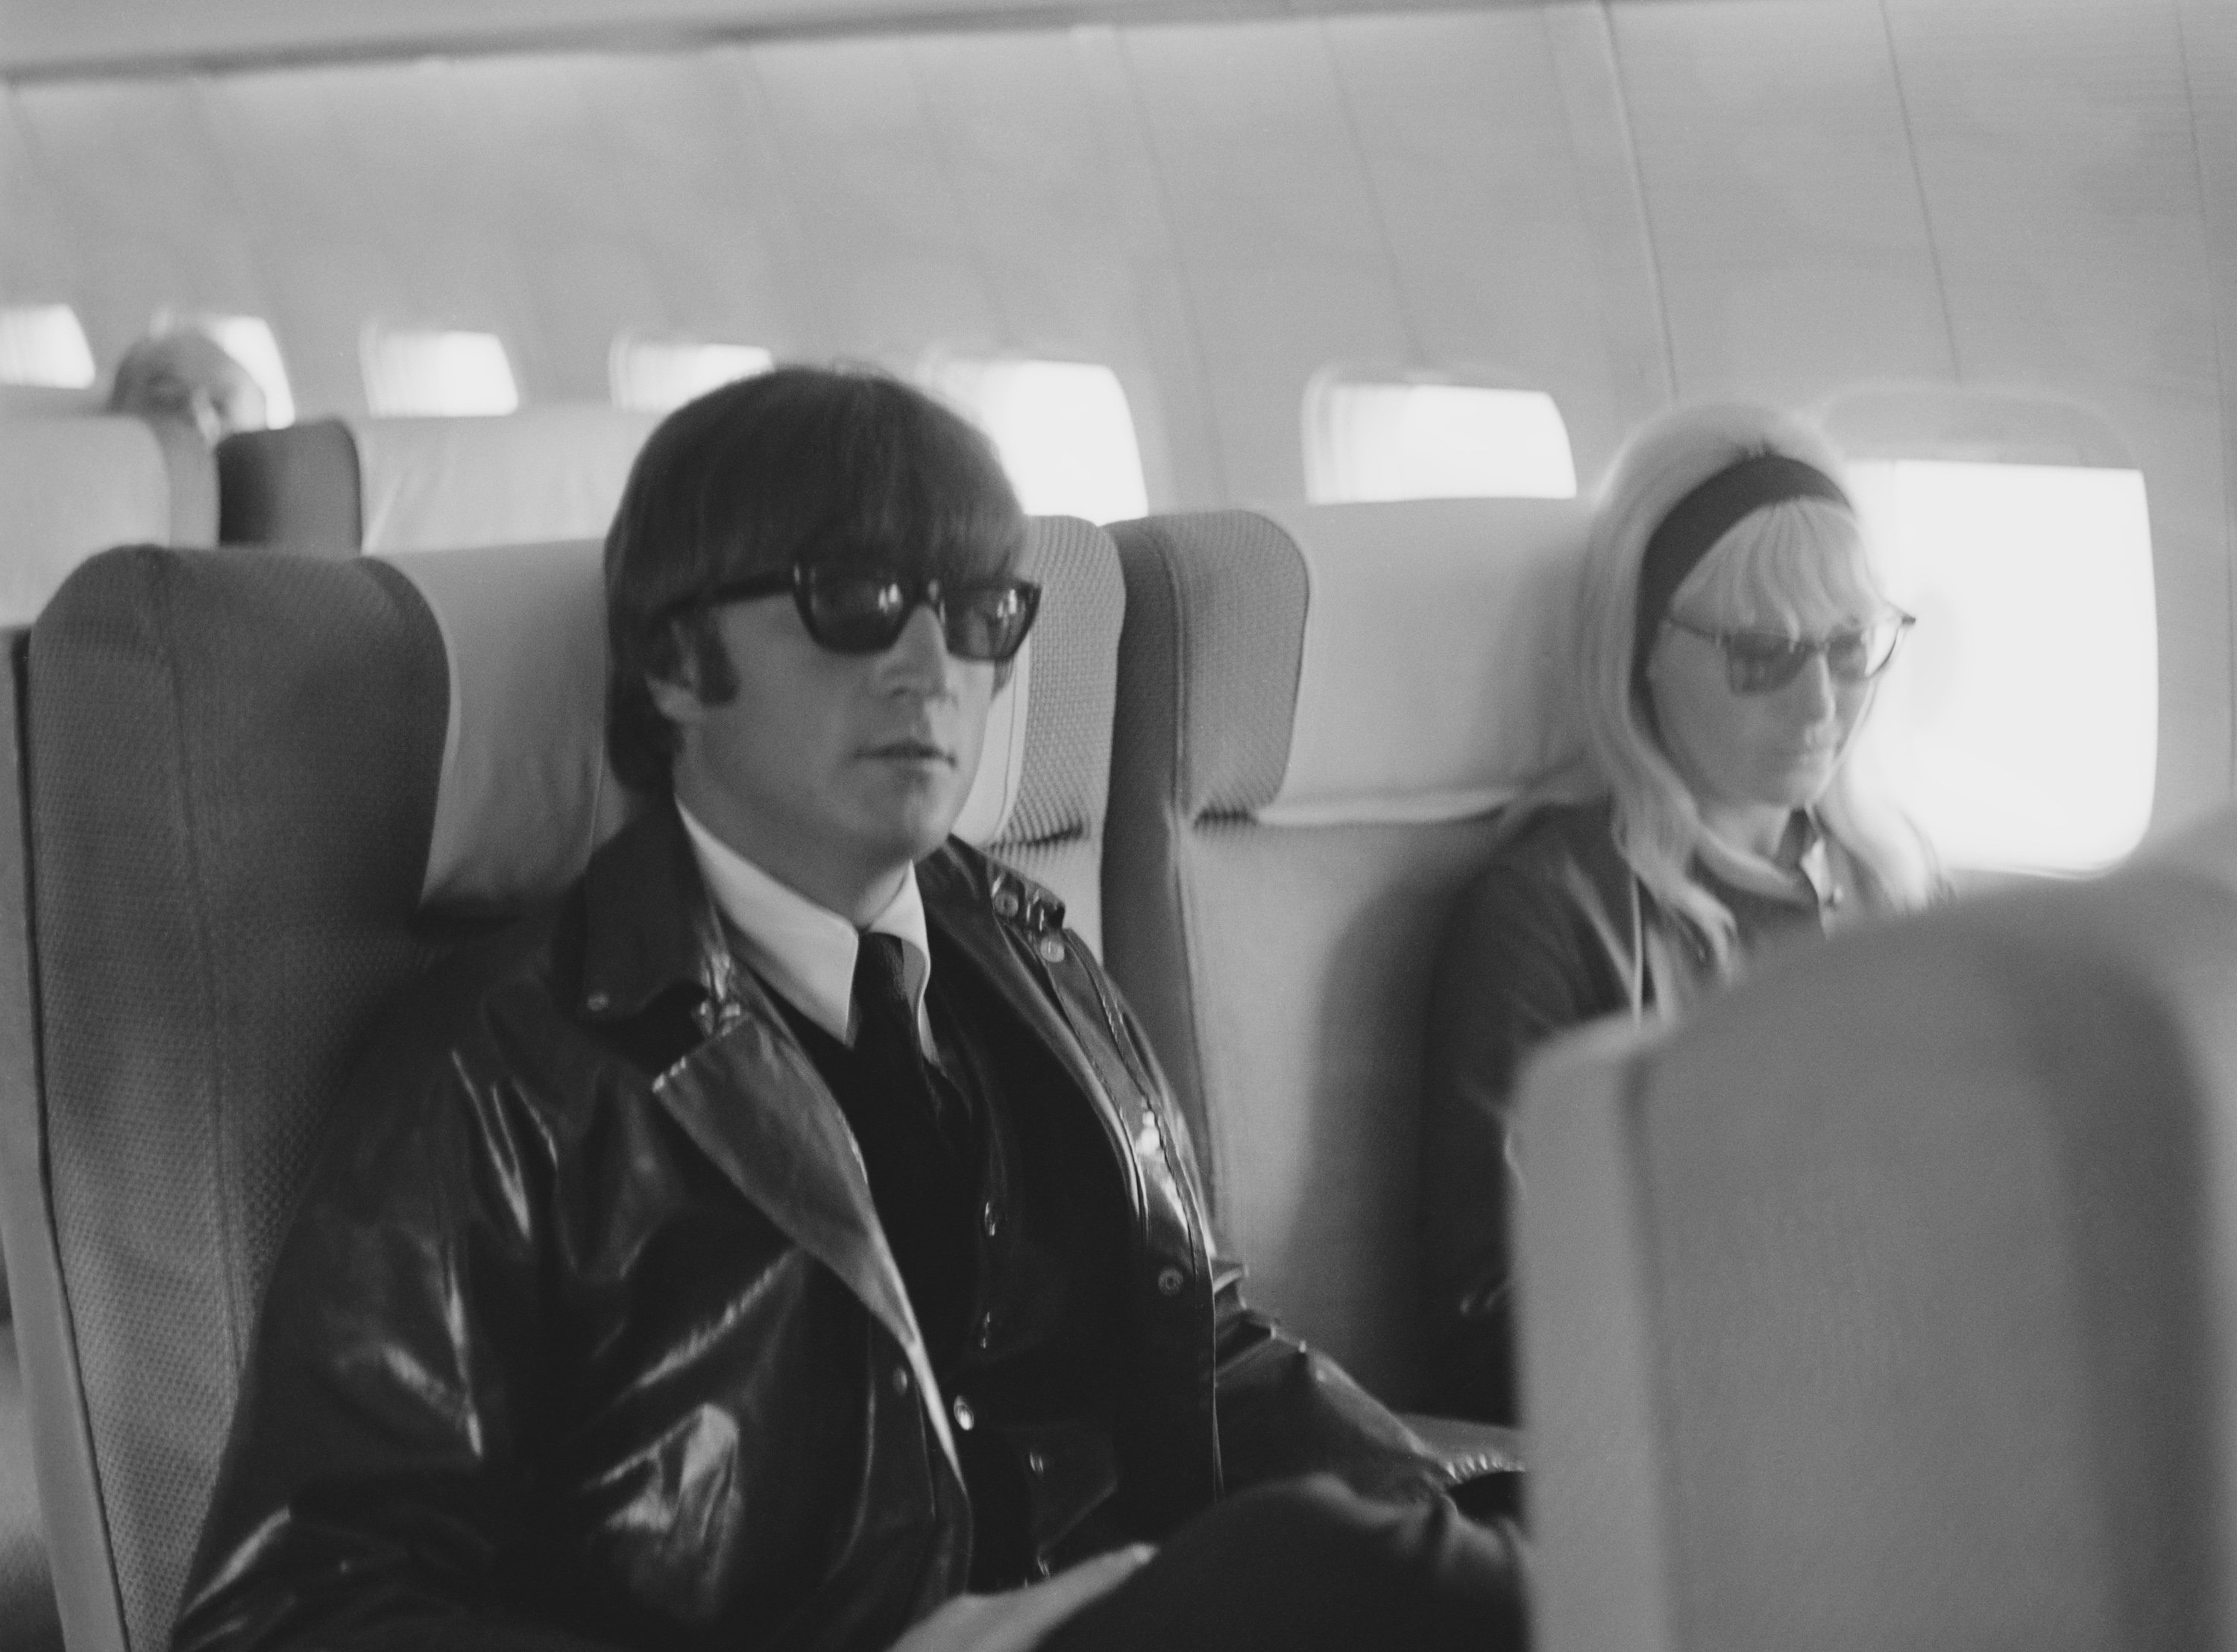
[747, 1094]
[756, 1105]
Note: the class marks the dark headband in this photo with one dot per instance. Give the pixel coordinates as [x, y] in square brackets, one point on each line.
[1696, 522]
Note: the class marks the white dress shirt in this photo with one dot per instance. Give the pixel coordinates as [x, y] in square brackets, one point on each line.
[806, 951]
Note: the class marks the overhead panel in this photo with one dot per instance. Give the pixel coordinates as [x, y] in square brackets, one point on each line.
[689, 140]
[37, 255]
[1055, 194]
[373, 200]
[129, 171]
[878, 209]
[2061, 174]
[2208, 32]
[1484, 204]
[1279, 238]
[573, 196]
[1792, 250]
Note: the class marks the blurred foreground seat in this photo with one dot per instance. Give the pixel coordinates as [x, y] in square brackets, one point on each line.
[1319, 710]
[263, 791]
[1892, 1301]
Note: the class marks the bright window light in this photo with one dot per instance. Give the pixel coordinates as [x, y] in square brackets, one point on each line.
[1064, 430]
[2020, 728]
[1399, 441]
[249, 340]
[445, 374]
[657, 374]
[43, 344]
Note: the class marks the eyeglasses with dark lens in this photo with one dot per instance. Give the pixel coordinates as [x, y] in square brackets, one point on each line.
[855, 610]
[1761, 662]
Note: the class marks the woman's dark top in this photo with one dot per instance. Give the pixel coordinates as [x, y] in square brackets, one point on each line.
[1556, 931]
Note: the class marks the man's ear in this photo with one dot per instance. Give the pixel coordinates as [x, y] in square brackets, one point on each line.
[676, 693]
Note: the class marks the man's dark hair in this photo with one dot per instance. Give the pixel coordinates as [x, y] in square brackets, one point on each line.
[798, 465]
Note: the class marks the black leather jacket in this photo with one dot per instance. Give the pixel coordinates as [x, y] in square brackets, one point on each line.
[586, 1332]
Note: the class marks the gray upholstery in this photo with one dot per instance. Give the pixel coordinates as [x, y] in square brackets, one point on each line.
[28, 1620]
[1055, 832]
[233, 768]
[1282, 968]
[1891, 1302]
[234, 759]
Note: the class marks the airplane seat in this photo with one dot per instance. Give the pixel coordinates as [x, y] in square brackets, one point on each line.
[1891, 1300]
[1319, 710]
[74, 484]
[340, 485]
[259, 790]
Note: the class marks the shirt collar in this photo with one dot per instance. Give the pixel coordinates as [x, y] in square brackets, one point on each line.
[1812, 880]
[803, 950]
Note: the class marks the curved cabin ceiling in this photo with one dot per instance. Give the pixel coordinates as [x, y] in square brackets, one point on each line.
[44, 37]
[1620, 203]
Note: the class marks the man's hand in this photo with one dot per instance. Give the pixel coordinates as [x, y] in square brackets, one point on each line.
[1016, 1622]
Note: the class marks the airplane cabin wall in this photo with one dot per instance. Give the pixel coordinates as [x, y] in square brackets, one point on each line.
[1620, 203]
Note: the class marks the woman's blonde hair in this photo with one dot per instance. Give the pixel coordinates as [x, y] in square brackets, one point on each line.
[1782, 559]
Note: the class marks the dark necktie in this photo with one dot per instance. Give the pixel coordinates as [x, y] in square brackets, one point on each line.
[917, 1178]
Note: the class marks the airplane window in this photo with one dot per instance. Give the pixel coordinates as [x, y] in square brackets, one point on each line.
[43, 344]
[657, 374]
[452, 374]
[249, 341]
[1434, 441]
[1064, 430]
[2021, 728]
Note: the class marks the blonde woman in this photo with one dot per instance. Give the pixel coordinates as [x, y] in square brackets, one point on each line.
[1731, 637]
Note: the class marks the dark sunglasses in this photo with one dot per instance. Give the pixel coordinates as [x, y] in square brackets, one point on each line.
[1761, 662]
[864, 610]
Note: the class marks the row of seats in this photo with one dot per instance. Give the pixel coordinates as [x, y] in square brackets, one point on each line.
[1252, 753]
[1885, 1304]
[73, 483]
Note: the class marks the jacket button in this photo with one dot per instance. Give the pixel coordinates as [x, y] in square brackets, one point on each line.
[990, 1219]
[901, 1379]
[966, 1418]
[1171, 1280]
[596, 1003]
[986, 1329]
[1036, 1463]
[1005, 902]
[1051, 949]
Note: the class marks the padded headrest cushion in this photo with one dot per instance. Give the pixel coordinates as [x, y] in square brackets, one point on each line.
[526, 791]
[544, 473]
[72, 484]
[399, 484]
[1372, 663]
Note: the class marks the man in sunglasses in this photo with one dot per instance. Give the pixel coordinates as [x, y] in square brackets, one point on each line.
[790, 1241]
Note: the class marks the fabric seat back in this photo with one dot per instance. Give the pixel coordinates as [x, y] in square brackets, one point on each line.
[1892, 1301]
[1319, 710]
[262, 789]
[337, 485]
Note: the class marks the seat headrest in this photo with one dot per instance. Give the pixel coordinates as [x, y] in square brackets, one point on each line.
[544, 473]
[1372, 663]
[541, 475]
[72, 484]
[527, 794]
